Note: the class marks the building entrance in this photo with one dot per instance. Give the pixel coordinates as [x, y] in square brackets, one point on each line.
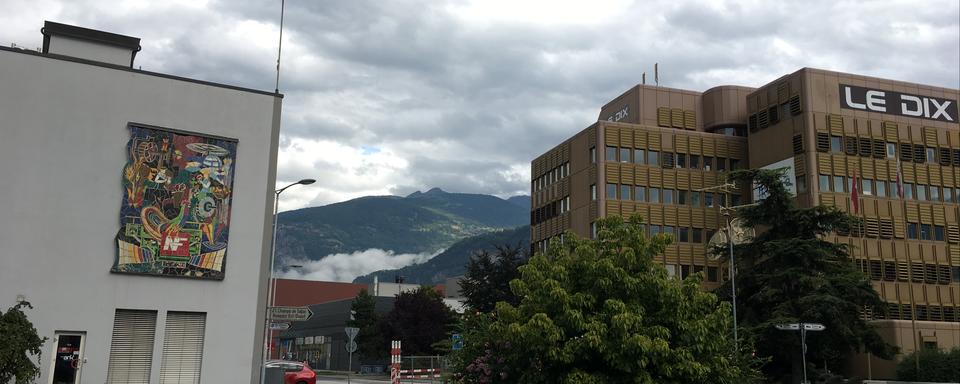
[68, 358]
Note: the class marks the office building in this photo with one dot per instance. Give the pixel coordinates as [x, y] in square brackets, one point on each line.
[653, 149]
[136, 214]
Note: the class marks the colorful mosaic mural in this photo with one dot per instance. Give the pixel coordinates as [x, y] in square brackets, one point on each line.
[175, 217]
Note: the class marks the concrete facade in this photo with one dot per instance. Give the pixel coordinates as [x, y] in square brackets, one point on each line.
[659, 139]
[63, 137]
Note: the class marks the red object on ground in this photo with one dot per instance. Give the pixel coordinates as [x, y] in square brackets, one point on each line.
[295, 372]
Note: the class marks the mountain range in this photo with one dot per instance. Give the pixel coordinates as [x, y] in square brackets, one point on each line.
[422, 222]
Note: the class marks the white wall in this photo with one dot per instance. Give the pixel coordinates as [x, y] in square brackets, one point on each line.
[63, 134]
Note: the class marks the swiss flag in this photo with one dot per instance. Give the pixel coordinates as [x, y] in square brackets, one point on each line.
[855, 194]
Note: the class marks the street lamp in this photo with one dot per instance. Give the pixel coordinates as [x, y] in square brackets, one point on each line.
[271, 293]
[727, 212]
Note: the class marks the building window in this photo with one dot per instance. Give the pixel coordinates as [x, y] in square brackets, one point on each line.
[908, 191]
[695, 199]
[593, 192]
[640, 193]
[931, 155]
[734, 164]
[612, 154]
[921, 192]
[653, 158]
[707, 163]
[681, 160]
[638, 156]
[654, 195]
[694, 162]
[683, 234]
[734, 200]
[593, 230]
[625, 192]
[131, 346]
[881, 188]
[912, 231]
[593, 155]
[836, 144]
[668, 196]
[668, 230]
[671, 270]
[712, 274]
[934, 193]
[697, 235]
[625, 155]
[938, 234]
[182, 347]
[682, 197]
[838, 182]
[654, 230]
[948, 195]
[684, 271]
[891, 150]
[708, 199]
[824, 183]
[926, 232]
[867, 185]
[567, 202]
[801, 184]
[611, 191]
[721, 164]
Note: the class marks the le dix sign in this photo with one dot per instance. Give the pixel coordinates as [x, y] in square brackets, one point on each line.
[896, 103]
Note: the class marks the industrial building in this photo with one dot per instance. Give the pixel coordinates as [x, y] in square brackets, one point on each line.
[136, 214]
[654, 149]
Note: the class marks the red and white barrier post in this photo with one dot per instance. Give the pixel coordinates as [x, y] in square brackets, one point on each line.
[395, 362]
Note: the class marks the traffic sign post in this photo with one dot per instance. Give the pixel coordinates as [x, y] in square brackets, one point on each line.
[279, 326]
[457, 342]
[351, 348]
[803, 328]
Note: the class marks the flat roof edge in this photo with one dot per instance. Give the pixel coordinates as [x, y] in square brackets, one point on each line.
[138, 71]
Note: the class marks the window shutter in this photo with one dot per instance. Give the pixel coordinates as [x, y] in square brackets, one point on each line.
[182, 347]
[131, 348]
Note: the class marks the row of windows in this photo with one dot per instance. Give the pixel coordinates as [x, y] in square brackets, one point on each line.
[552, 176]
[550, 211]
[542, 245]
[712, 274]
[880, 188]
[903, 271]
[923, 313]
[917, 231]
[771, 116]
[670, 159]
[644, 194]
[867, 147]
[681, 234]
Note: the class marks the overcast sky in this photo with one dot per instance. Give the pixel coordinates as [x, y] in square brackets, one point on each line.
[389, 97]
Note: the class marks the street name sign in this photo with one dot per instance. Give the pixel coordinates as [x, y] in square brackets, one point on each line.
[290, 313]
[279, 326]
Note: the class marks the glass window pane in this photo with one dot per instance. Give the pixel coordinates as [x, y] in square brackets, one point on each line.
[721, 164]
[911, 230]
[921, 192]
[824, 183]
[934, 193]
[640, 193]
[625, 192]
[593, 191]
[593, 155]
[867, 185]
[925, 232]
[707, 199]
[948, 195]
[638, 156]
[681, 160]
[891, 150]
[654, 195]
[668, 196]
[625, 155]
[682, 197]
[611, 191]
[707, 163]
[697, 235]
[908, 191]
[734, 164]
[881, 188]
[835, 144]
[695, 199]
[838, 182]
[611, 153]
[938, 232]
[931, 155]
[694, 162]
[653, 158]
[683, 234]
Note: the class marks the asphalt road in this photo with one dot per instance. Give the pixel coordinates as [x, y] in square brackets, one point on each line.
[322, 379]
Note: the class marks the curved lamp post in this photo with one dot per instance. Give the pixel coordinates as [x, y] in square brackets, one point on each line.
[271, 293]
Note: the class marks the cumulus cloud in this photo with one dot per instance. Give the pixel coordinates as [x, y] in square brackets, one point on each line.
[462, 94]
[345, 267]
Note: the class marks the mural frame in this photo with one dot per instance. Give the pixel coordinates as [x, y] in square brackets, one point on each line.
[176, 205]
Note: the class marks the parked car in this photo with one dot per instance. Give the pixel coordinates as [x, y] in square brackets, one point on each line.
[295, 372]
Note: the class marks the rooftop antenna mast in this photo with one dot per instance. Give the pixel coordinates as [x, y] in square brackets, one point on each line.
[279, 47]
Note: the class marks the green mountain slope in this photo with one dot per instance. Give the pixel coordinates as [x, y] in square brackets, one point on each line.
[453, 261]
[418, 223]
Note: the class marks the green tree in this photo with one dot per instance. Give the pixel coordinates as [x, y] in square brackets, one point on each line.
[488, 277]
[602, 311]
[419, 319]
[936, 366]
[18, 343]
[791, 273]
[371, 344]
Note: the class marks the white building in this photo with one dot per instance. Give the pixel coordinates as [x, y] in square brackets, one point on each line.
[135, 213]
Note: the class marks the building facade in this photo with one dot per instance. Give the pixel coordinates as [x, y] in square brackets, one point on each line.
[136, 213]
[656, 151]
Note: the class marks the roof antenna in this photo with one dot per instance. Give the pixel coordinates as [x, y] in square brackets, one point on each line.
[656, 74]
[279, 47]
[643, 79]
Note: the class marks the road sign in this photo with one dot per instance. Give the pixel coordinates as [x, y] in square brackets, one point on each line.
[813, 327]
[788, 327]
[351, 332]
[279, 326]
[352, 346]
[457, 342]
[290, 313]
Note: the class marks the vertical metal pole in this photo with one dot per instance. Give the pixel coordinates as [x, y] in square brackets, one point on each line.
[803, 342]
[270, 294]
[279, 47]
[733, 282]
[349, 366]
